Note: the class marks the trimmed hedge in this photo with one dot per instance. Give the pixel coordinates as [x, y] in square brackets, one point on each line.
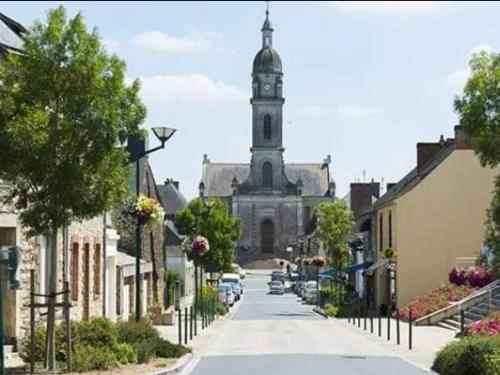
[469, 356]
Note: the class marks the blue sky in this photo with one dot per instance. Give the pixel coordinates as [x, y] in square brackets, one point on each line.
[363, 81]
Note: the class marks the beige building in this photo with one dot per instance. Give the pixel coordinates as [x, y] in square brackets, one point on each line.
[433, 218]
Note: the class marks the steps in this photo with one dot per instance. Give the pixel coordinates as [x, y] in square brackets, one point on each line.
[12, 358]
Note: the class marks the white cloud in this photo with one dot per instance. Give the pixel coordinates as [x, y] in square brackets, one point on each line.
[189, 88]
[158, 41]
[353, 110]
[389, 6]
[111, 45]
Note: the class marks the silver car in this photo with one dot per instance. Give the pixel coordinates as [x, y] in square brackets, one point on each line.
[276, 287]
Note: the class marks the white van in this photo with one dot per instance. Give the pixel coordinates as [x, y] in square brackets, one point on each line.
[233, 278]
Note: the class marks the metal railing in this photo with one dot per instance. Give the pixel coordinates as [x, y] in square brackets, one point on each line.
[475, 298]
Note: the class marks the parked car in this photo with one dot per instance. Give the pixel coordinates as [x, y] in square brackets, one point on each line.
[299, 285]
[278, 276]
[276, 287]
[225, 295]
[237, 268]
[235, 279]
[288, 286]
[310, 291]
[232, 288]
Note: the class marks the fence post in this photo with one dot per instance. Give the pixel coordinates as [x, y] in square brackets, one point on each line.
[359, 312]
[462, 322]
[410, 330]
[67, 317]
[371, 321]
[397, 326]
[364, 315]
[185, 326]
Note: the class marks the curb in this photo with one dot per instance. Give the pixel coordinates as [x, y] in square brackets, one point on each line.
[177, 368]
[320, 311]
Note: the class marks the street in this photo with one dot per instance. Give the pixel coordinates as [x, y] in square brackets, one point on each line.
[274, 334]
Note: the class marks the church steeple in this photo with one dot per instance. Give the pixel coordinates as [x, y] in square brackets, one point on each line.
[267, 30]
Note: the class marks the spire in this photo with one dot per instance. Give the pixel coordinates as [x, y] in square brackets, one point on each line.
[267, 30]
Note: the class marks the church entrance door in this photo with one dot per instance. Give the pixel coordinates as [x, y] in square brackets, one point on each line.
[267, 243]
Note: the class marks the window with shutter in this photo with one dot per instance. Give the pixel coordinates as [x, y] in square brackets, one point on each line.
[97, 270]
[74, 270]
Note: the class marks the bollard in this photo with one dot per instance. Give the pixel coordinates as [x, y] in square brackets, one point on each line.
[371, 321]
[185, 326]
[191, 322]
[379, 322]
[397, 326]
[364, 316]
[179, 318]
[202, 314]
[349, 314]
[409, 330]
[359, 314]
[388, 324]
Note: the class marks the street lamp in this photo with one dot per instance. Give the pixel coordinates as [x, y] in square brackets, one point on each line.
[163, 134]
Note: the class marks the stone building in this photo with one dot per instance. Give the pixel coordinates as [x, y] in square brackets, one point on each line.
[11, 40]
[274, 199]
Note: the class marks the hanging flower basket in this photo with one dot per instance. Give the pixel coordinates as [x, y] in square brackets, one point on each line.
[306, 261]
[148, 211]
[298, 260]
[199, 247]
[389, 253]
[318, 261]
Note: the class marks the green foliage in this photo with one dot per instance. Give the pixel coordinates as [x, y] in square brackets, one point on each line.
[98, 332]
[221, 309]
[217, 226]
[132, 332]
[492, 238]
[145, 350]
[334, 223]
[165, 349]
[88, 357]
[65, 106]
[125, 353]
[471, 355]
[331, 310]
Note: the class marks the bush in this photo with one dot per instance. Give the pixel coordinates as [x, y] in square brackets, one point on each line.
[165, 349]
[145, 350]
[331, 311]
[97, 332]
[87, 358]
[134, 332]
[125, 353]
[489, 326]
[472, 355]
[220, 309]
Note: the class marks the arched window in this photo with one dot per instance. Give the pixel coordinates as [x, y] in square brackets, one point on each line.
[267, 175]
[267, 127]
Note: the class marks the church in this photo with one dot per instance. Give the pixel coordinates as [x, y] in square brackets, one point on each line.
[274, 199]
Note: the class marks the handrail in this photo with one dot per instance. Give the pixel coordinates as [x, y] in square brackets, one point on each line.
[458, 304]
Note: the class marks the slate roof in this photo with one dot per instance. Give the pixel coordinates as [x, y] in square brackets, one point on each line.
[172, 237]
[414, 177]
[11, 34]
[267, 60]
[171, 198]
[218, 177]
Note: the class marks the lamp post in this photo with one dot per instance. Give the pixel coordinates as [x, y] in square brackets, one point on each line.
[163, 134]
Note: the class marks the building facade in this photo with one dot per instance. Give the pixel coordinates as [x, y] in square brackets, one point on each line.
[434, 219]
[274, 199]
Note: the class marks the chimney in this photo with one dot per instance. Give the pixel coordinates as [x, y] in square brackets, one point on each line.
[390, 185]
[426, 151]
[361, 196]
[462, 140]
[171, 181]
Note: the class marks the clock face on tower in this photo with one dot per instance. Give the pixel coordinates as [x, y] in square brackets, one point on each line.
[267, 87]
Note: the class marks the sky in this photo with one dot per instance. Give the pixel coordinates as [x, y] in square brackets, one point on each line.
[363, 81]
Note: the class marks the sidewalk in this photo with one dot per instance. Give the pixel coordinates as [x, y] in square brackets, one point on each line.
[426, 341]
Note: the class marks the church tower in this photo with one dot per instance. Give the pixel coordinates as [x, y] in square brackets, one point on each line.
[267, 167]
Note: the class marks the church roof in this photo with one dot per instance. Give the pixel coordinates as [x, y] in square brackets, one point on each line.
[218, 177]
[267, 60]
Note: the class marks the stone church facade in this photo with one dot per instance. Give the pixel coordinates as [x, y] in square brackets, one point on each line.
[274, 199]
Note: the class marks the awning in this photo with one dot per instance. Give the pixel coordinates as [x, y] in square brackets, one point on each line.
[327, 274]
[376, 266]
[357, 267]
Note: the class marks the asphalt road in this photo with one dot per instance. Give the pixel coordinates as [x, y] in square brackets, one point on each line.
[274, 335]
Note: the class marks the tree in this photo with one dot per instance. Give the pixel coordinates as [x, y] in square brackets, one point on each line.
[65, 107]
[479, 112]
[216, 225]
[334, 223]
